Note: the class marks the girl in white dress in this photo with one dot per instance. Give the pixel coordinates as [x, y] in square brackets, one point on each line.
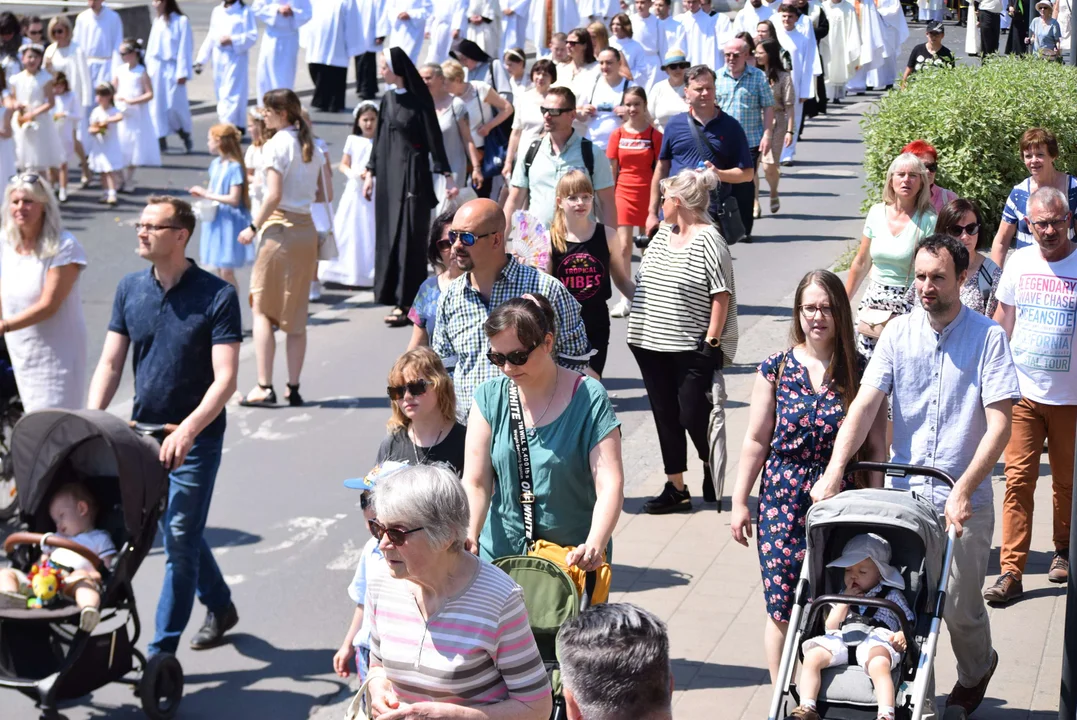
[134, 92]
[37, 144]
[66, 115]
[353, 224]
[65, 56]
[105, 153]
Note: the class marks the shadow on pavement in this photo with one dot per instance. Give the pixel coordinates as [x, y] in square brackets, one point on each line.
[764, 239]
[696, 675]
[218, 537]
[772, 310]
[622, 383]
[627, 578]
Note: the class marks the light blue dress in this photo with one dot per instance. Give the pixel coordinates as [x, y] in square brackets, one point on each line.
[220, 247]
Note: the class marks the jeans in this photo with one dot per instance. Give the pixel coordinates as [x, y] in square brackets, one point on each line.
[189, 564]
[966, 615]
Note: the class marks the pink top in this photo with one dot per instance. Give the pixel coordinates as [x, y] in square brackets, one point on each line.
[940, 197]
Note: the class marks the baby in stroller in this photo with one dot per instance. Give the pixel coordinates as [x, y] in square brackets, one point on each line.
[74, 511]
[874, 633]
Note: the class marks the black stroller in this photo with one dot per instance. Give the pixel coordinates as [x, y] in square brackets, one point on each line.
[43, 653]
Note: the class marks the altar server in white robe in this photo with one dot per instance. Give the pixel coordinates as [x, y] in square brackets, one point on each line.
[872, 46]
[99, 32]
[232, 33]
[749, 16]
[169, 59]
[566, 16]
[367, 48]
[484, 25]
[701, 39]
[647, 32]
[515, 15]
[446, 23]
[334, 35]
[672, 32]
[932, 10]
[895, 33]
[805, 60]
[404, 24]
[840, 49]
[279, 52]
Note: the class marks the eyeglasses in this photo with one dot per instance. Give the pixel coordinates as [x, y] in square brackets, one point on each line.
[932, 167]
[555, 112]
[970, 229]
[148, 228]
[60, 30]
[416, 388]
[396, 537]
[517, 357]
[1042, 225]
[444, 244]
[810, 311]
[35, 33]
[467, 238]
[733, 55]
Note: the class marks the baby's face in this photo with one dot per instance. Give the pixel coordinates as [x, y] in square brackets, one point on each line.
[861, 577]
[71, 517]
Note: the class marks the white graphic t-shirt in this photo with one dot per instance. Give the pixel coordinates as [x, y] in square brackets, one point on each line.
[1045, 296]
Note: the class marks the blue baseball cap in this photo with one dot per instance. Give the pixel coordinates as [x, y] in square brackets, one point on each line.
[378, 472]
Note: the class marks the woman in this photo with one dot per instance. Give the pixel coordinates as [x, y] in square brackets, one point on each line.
[1039, 150]
[809, 387]
[891, 231]
[481, 67]
[486, 110]
[634, 65]
[424, 312]
[40, 265]
[581, 58]
[573, 441]
[600, 103]
[408, 143]
[527, 122]
[288, 250]
[1045, 34]
[168, 61]
[456, 135]
[66, 57]
[961, 219]
[666, 98]
[232, 33]
[768, 59]
[930, 158]
[422, 428]
[683, 327]
[484, 662]
[515, 63]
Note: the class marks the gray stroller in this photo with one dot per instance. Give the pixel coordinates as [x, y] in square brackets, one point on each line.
[922, 551]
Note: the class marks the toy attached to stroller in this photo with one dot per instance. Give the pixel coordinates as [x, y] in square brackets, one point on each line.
[921, 553]
[43, 652]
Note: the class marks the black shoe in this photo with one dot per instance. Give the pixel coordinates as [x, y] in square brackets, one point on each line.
[213, 629]
[188, 143]
[162, 144]
[293, 397]
[669, 501]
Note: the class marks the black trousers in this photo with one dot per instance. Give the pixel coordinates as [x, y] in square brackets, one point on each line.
[678, 387]
[366, 75]
[745, 195]
[990, 27]
[330, 85]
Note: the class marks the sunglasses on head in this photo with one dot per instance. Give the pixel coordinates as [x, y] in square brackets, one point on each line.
[555, 112]
[516, 357]
[396, 537]
[416, 388]
[467, 238]
[970, 229]
[28, 178]
[932, 167]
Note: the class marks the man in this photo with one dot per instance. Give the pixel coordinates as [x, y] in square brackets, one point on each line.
[332, 37]
[840, 52]
[648, 33]
[491, 277]
[672, 32]
[800, 44]
[742, 91]
[749, 16]
[703, 34]
[517, 16]
[895, 33]
[989, 18]
[931, 54]
[11, 41]
[445, 26]
[534, 180]
[280, 42]
[183, 325]
[545, 26]
[872, 48]
[368, 44]
[1038, 309]
[99, 32]
[403, 22]
[615, 664]
[952, 385]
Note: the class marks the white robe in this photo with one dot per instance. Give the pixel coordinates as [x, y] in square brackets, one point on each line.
[169, 54]
[405, 34]
[805, 60]
[335, 33]
[701, 39]
[749, 17]
[840, 49]
[674, 35]
[487, 35]
[895, 33]
[873, 50]
[640, 64]
[932, 10]
[100, 37]
[647, 33]
[446, 17]
[514, 26]
[566, 16]
[230, 62]
[279, 52]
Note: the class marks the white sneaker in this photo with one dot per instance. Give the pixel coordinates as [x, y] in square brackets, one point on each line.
[622, 309]
[88, 619]
[315, 291]
[62, 195]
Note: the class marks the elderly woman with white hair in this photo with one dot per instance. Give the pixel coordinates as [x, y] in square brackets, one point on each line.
[40, 310]
[891, 231]
[449, 635]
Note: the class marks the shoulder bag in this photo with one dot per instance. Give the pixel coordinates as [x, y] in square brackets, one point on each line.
[542, 548]
[724, 206]
[496, 144]
[359, 707]
[327, 243]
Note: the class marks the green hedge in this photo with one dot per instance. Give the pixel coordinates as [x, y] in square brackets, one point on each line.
[975, 116]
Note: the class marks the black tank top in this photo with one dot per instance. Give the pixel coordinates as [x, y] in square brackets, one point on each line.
[583, 268]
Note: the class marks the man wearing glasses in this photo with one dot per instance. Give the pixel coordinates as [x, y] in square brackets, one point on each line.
[1037, 307]
[183, 325]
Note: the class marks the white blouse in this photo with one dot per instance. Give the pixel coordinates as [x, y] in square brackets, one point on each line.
[284, 154]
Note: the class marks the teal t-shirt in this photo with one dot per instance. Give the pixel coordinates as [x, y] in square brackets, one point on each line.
[560, 467]
[891, 255]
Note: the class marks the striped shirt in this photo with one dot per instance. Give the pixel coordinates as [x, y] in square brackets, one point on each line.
[671, 310]
[477, 649]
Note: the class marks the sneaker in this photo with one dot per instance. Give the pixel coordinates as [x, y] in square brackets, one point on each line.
[1005, 590]
[1059, 571]
[62, 195]
[88, 619]
[315, 293]
[803, 712]
[12, 601]
[669, 501]
[213, 629]
[970, 698]
[621, 309]
[787, 163]
[84, 183]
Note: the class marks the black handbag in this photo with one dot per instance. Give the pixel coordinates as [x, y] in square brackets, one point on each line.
[724, 207]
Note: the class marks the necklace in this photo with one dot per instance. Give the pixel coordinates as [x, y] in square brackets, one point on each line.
[415, 447]
[531, 431]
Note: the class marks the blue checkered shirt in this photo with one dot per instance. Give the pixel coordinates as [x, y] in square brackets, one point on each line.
[460, 341]
[745, 98]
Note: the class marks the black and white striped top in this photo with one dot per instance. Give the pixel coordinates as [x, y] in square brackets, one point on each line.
[672, 306]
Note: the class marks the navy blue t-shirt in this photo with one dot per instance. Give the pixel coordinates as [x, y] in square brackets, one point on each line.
[172, 337]
[723, 133]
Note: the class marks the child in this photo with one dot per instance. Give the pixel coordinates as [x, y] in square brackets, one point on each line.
[371, 565]
[73, 509]
[228, 187]
[66, 115]
[133, 95]
[103, 148]
[37, 143]
[256, 174]
[876, 633]
[353, 225]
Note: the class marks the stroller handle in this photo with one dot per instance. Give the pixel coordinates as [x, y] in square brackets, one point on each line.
[154, 430]
[901, 470]
[52, 540]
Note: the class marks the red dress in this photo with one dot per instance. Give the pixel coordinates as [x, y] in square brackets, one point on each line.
[636, 155]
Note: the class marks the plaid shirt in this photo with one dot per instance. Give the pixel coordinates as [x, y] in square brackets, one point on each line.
[745, 98]
[460, 341]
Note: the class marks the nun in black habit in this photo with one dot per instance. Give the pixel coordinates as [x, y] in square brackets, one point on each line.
[408, 143]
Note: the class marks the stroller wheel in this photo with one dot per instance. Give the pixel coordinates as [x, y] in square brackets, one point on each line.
[161, 688]
[955, 712]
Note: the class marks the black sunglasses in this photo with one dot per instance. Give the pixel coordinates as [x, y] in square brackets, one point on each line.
[444, 244]
[678, 66]
[970, 229]
[517, 357]
[467, 238]
[932, 167]
[396, 537]
[573, 42]
[554, 112]
[417, 388]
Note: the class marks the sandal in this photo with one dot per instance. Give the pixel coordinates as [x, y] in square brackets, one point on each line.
[775, 204]
[293, 397]
[269, 400]
[757, 211]
[397, 318]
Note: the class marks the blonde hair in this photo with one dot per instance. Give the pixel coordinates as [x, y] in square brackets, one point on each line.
[906, 161]
[58, 21]
[257, 119]
[426, 364]
[231, 148]
[693, 188]
[599, 31]
[574, 182]
[453, 71]
[48, 240]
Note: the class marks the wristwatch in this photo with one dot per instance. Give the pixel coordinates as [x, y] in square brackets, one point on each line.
[713, 341]
[253, 228]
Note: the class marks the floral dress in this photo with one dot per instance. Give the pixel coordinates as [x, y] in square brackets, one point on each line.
[806, 426]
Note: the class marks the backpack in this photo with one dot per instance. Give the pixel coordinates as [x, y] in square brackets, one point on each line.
[587, 150]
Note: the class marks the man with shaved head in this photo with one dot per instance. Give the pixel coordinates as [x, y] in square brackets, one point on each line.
[491, 277]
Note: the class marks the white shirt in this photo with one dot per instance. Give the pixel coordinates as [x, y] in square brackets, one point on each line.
[749, 17]
[334, 34]
[664, 102]
[97, 541]
[604, 97]
[299, 186]
[100, 36]
[528, 118]
[277, 25]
